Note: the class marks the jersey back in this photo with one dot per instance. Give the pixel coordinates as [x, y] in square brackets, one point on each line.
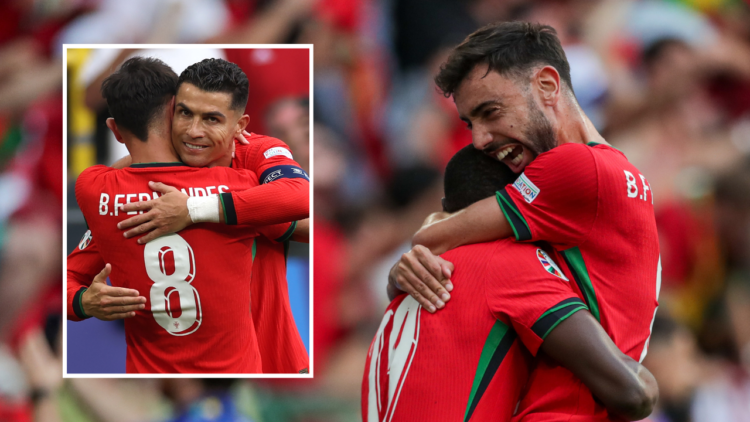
[596, 209]
[467, 361]
[197, 282]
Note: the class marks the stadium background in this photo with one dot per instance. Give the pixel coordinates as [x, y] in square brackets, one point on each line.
[666, 81]
[279, 96]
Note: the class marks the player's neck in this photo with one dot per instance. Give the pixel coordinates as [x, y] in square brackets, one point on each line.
[577, 128]
[156, 150]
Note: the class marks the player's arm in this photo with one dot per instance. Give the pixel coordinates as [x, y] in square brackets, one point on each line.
[482, 221]
[284, 196]
[302, 231]
[623, 385]
[553, 201]
[89, 295]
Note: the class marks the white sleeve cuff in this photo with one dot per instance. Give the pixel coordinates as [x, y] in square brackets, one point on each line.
[203, 209]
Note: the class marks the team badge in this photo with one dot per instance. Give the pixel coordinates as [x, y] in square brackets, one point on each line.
[528, 190]
[85, 240]
[549, 265]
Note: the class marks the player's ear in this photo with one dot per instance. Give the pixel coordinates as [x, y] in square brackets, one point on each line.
[242, 123]
[547, 82]
[113, 127]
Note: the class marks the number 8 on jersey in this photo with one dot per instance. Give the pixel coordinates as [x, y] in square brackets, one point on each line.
[175, 303]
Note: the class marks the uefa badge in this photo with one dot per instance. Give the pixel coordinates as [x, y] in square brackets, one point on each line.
[85, 240]
[549, 265]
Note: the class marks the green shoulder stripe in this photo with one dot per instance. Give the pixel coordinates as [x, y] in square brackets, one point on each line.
[555, 315]
[513, 215]
[498, 342]
[577, 265]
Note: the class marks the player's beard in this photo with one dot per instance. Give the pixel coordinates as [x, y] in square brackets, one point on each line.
[539, 134]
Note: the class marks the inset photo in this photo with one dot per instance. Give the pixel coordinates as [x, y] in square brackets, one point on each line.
[187, 209]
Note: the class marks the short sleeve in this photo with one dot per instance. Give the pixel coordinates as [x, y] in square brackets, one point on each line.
[555, 199]
[532, 294]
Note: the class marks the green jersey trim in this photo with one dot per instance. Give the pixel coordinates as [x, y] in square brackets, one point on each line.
[577, 265]
[288, 233]
[498, 342]
[555, 315]
[513, 215]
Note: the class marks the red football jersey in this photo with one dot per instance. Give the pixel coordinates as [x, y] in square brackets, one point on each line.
[197, 282]
[280, 344]
[596, 209]
[464, 362]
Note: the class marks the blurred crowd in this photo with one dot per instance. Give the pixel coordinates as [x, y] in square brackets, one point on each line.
[665, 81]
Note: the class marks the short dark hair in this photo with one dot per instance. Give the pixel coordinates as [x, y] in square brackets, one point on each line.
[218, 75]
[509, 48]
[471, 176]
[137, 92]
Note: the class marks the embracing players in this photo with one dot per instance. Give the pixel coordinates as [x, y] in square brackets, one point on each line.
[471, 360]
[208, 104]
[511, 85]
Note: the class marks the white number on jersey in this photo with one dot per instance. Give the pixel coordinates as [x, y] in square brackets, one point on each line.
[175, 303]
[390, 361]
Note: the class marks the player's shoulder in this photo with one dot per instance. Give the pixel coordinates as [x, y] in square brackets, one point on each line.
[476, 251]
[94, 171]
[89, 176]
[565, 152]
[260, 147]
[567, 161]
[515, 261]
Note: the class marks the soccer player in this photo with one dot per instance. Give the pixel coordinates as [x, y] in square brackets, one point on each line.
[511, 84]
[197, 318]
[200, 85]
[471, 360]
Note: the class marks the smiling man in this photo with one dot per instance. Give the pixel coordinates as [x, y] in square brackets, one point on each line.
[511, 85]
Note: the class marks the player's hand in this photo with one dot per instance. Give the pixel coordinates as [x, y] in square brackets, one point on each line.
[241, 137]
[426, 277]
[166, 214]
[109, 303]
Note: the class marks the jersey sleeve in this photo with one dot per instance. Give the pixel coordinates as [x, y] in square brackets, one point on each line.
[555, 198]
[284, 193]
[85, 186]
[532, 294]
[278, 233]
[84, 263]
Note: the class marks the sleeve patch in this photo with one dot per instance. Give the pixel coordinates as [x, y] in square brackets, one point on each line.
[272, 152]
[549, 265]
[85, 240]
[528, 190]
[283, 172]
